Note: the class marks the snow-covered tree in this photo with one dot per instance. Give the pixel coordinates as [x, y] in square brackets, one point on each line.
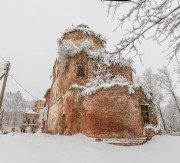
[163, 90]
[165, 80]
[172, 116]
[14, 106]
[149, 83]
[177, 70]
[157, 19]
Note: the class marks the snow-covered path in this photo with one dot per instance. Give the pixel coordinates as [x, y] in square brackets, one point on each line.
[41, 148]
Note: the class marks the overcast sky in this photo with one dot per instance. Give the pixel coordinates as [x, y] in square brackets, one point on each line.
[29, 32]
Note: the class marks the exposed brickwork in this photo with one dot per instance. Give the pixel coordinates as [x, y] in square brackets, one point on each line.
[69, 77]
[112, 113]
[126, 72]
[77, 38]
[72, 109]
[54, 118]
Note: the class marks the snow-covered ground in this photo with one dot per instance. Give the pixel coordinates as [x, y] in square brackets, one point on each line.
[41, 148]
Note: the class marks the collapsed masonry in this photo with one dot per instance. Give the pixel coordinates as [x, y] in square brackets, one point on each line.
[93, 93]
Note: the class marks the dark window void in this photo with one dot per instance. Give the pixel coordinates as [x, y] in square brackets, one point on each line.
[80, 70]
[63, 124]
[145, 113]
[28, 121]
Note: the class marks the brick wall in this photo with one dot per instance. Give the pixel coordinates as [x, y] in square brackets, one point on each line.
[112, 113]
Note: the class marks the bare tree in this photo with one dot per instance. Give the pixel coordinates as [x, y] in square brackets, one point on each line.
[165, 82]
[172, 116]
[160, 17]
[177, 70]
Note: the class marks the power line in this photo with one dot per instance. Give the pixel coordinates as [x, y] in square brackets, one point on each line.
[22, 87]
[4, 62]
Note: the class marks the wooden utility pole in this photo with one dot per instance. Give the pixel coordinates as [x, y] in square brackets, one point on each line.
[7, 66]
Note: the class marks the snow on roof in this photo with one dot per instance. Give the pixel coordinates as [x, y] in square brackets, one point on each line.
[96, 84]
[109, 59]
[84, 29]
[31, 112]
[40, 99]
[107, 82]
[156, 129]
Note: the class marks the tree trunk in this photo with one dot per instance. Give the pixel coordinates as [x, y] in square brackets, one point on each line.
[164, 124]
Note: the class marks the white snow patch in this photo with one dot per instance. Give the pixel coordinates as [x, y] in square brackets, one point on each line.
[125, 141]
[98, 83]
[42, 148]
[175, 133]
[68, 49]
[31, 112]
[156, 129]
[111, 59]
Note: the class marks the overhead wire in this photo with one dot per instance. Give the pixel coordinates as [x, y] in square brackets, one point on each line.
[3, 63]
[22, 87]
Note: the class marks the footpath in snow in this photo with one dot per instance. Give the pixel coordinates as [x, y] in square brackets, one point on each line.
[41, 148]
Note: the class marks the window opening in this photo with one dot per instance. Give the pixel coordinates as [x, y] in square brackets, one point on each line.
[145, 113]
[80, 70]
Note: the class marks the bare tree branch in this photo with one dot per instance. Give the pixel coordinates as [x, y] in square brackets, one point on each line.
[161, 17]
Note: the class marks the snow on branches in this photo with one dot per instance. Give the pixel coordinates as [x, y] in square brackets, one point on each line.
[161, 17]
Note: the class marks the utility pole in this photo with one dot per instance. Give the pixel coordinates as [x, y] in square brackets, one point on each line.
[7, 66]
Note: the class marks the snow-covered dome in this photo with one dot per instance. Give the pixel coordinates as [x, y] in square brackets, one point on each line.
[83, 28]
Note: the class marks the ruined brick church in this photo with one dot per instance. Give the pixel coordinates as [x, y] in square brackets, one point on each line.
[93, 93]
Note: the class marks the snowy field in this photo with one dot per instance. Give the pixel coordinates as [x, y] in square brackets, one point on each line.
[41, 148]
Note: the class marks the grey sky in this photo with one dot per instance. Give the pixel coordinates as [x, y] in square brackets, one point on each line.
[29, 32]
